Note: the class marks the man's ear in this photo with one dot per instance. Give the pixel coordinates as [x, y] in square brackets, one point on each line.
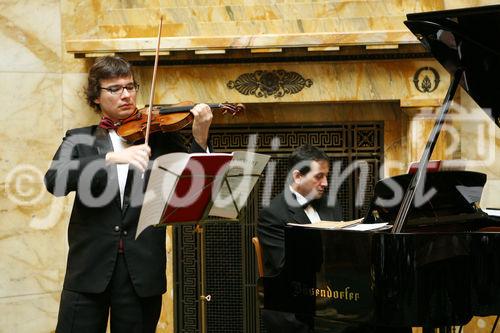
[97, 100]
[296, 176]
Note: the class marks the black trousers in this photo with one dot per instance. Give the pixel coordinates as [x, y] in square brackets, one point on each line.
[86, 312]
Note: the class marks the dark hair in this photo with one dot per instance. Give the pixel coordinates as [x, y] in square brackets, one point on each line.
[303, 154]
[108, 67]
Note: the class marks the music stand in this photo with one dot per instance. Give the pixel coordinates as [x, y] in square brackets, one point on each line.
[187, 188]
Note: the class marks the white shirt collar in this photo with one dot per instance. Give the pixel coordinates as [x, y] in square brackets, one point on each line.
[311, 213]
[300, 198]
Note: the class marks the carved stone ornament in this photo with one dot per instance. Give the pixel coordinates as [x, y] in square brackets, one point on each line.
[426, 79]
[266, 83]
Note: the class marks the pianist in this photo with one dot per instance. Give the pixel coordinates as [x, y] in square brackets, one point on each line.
[302, 201]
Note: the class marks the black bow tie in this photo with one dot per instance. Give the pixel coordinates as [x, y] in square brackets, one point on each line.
[304, 206]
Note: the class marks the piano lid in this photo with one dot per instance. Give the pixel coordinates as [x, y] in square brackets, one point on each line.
[456, 193]
[468, 38]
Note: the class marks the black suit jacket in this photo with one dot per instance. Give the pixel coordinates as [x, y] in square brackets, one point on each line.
[272, 222]
[98, 221]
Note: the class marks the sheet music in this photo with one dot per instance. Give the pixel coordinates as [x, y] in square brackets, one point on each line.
[242, 175]
[470, 193]
[492, 211]
[164, 177]
[329, 225]
[354, 225]
[369, 226]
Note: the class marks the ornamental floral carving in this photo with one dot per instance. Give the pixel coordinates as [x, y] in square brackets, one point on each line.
[275, 83]
[426, 79]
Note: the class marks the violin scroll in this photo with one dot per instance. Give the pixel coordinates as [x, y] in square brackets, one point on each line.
[233, 109]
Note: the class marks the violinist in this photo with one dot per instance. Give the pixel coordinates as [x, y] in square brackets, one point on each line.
[108, 270]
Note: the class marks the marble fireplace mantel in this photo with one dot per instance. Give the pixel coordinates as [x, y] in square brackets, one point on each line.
[318, 61]
[368, 44]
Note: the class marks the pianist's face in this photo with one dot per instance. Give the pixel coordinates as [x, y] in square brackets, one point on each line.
[313, 184]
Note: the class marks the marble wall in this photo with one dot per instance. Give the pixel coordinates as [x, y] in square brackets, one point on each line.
[41, 87]
[117, 18]
[32, 242]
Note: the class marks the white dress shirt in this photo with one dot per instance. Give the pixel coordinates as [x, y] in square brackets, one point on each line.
[311, 213]
[120, 144]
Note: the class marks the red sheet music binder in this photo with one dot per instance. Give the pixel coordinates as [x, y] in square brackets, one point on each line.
[193, 192]
[180, 188]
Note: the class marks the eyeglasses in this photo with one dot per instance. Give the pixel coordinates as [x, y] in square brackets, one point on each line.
[118, 90]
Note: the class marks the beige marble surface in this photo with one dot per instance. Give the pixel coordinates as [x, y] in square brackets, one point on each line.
[332, 82]
[76, 112]
[32, 104]
[455, 4]
[41, 85]
[29, 313]
[32, 227]
[215, 18]
[30, 35]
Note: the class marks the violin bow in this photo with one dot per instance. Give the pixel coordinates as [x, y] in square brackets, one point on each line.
[150, 106]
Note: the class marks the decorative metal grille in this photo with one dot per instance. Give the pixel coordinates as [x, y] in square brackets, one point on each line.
[230, 267]
[186, 279]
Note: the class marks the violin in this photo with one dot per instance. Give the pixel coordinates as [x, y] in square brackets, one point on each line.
[166, 119]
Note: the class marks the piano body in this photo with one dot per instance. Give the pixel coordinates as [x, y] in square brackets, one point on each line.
[437, 264]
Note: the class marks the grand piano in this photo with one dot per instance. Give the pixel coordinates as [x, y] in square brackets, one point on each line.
[437, 262]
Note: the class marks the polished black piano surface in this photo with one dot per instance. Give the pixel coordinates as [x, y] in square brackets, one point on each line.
[444, 266]
[441, 270]
[379, 278]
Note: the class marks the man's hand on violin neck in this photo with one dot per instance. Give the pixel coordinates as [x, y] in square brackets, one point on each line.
[137, 155]
[201, 123]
